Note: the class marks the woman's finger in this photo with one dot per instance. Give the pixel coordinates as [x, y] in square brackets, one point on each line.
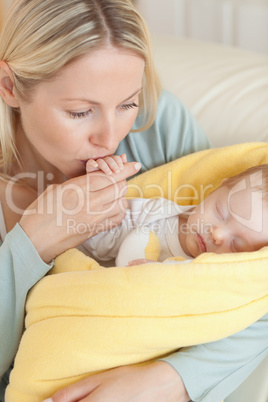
[104, 199]
[75, 392]
[157, 381]
[106, 223]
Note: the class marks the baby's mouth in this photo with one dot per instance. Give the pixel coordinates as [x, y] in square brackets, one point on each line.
[201, 243]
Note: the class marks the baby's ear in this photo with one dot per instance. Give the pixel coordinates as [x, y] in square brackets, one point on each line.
[7, 85]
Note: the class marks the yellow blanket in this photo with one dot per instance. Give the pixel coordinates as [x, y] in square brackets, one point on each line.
[89, 318]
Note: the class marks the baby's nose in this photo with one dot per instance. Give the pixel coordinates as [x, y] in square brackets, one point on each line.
[218, 235]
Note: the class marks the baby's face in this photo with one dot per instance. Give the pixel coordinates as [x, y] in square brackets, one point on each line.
[229, 220]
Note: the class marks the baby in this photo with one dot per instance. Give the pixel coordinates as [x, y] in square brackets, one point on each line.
[233, 218]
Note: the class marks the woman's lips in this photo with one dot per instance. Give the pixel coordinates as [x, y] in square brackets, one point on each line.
[84, 162]
[201, 243]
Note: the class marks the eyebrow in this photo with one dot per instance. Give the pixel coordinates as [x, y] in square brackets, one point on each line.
[97, 103]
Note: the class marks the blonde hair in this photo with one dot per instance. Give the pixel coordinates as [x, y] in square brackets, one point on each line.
[40, 37]
[257, 185]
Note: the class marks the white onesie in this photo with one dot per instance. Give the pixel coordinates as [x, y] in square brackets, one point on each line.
[142, 216]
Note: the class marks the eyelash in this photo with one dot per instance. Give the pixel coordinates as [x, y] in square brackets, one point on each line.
[219, 213]
[129, 106]
[235, 248]
[80, 115]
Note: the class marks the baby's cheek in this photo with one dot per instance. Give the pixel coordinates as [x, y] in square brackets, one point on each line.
[192, 245]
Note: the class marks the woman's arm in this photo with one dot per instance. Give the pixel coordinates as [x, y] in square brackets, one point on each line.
[42, 234]
[212, 371]
[21, 268]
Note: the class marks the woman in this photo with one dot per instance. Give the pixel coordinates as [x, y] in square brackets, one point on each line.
[73, 76]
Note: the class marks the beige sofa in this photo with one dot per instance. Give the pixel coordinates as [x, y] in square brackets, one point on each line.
[227, 91]
[225, 88]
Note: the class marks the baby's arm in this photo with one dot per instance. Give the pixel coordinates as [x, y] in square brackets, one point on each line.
[108, 165]
[141, 261]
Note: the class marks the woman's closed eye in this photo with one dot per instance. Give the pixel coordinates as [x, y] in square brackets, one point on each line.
[80, 115]
[128, 106]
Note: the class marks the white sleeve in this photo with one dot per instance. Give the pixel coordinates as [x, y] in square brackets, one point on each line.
[105, 245]
[140, 213]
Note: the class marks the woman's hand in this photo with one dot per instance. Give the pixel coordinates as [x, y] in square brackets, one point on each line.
[155, 382]
[66, 215]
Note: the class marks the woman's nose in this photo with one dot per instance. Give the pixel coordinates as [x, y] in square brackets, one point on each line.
[105, 135]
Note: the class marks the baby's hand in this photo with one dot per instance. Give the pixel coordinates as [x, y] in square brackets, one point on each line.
[109, 165]
[140, 261]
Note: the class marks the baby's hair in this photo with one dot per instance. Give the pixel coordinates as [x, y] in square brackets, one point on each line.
[40, 37]
[260, 184]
